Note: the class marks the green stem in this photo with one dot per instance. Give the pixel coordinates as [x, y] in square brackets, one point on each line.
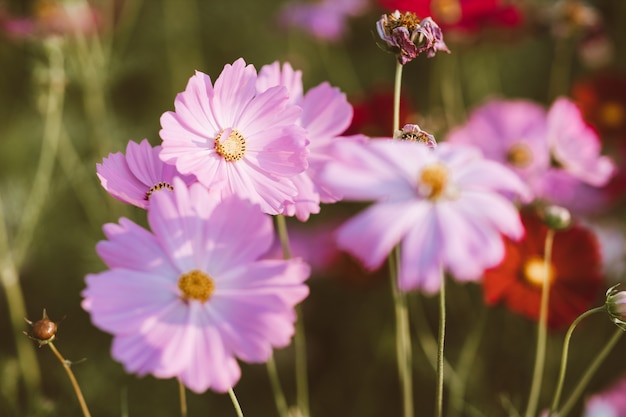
[302, 384]
[542, 332]
[233, 398]
[397, 87]
[182, 394]
[441, 340]
[70, 374]
[279, 395]
[568, 336]
[561, 65]
[403, 338]
[582, 383]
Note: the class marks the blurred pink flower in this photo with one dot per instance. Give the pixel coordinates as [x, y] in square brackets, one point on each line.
[52, 17]
[135, 177]
[325, 19]
[326, 114]
[445, 206]
[236, 139]
[609, 403]
[189, 298]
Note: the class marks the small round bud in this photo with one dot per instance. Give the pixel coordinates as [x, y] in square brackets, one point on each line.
[616, 306]
[556, 217]
[43, 330]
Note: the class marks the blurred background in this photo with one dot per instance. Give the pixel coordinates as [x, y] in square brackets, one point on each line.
[80, 79]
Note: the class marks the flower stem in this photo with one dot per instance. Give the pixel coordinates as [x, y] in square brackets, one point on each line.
[233, 398]
[582, 383]
[403, 336]
[542, 332]
[299, 341]
[441, 340]
[568, 336]
[70, 374]
[279, 395]
[396, 97]
[183, 399]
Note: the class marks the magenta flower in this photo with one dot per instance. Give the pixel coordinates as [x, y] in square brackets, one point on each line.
[575, 146]
[189, 298]
[325, 20]
[135, 177]
[326, 114]
[235, 139]
[608, 403]
[433, 38]
[444, 206]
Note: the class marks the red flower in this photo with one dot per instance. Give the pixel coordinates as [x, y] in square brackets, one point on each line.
[575, 273]
[373, 114]
[464, 15]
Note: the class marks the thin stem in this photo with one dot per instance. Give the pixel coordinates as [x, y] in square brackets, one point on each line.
[182, 394]
[561, 65]
[542, 332]
[568, 336]
[441, 340]
[396, 97]
[233, 398]
[299, 340]
[279, 394]
[403, 335]
[70, 374]
[582, 383]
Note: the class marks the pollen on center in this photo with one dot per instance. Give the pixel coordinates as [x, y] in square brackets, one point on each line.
[196, 285]
[433, 180]
[535, 272]
[519, 155]
[230, 144]
[158, 186]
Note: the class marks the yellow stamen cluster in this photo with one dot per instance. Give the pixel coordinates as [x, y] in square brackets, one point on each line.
[233, 147]
[446, 11]
[158, 186]
[434, 179]
[612, 114]
[196, 285]
[408, 20]
[535, 272]
[519, 155]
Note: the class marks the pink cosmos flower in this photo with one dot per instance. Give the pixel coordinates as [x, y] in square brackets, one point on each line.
[325, 20]
[609, 403]
[235, 139]
[445, 206]
[326, 114]
[189, 298]
[135, 177]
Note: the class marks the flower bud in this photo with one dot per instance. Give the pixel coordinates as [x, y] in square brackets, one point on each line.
[556, 217]
[616, 306]
[43, 330]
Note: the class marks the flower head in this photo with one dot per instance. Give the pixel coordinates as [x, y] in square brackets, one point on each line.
[326, 114]
[444, 206]
[236, 139]
[414, 133]
[407, 36]
[616, 306]
[575, 273]
[190, 297]
[135, 177]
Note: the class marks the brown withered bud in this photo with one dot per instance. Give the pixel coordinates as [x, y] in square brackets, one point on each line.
[43, 330]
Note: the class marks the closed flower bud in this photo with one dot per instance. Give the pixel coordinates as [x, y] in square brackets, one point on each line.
[616, 306]
[43, 330]
[556, 217]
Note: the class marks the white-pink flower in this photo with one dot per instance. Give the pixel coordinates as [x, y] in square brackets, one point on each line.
[447, 208]
[134, 177]
[326, 114]
[189, 298]
[236, 139]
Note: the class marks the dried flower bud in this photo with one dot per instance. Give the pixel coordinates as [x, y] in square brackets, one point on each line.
[413, 133]
[616, 306]
[556, 217]
[43, 330]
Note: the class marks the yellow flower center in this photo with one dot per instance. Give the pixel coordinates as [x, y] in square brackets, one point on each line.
[447, 11]
[519, 155]
[158, 186]
[230, 144]
[433, 180]
[535, 271]
[612, 114]
[196, 285]
[408, 20]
